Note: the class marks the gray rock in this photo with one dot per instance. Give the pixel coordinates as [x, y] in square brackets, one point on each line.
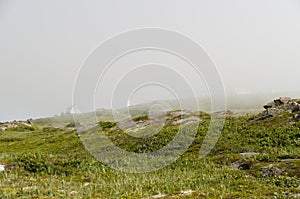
[270, 171]
[188, 120]
[278, 102]
[274, 111]
[285, 100]
[240, 164]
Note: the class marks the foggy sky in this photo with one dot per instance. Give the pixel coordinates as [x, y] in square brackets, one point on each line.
[255, 44]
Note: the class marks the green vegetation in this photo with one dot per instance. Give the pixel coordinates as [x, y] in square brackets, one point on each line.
[49, 162]
[140, 118]
[73, 124]
[107, 124]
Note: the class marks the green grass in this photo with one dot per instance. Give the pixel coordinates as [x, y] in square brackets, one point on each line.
[107, 125]
[140, 118]
[52, 162]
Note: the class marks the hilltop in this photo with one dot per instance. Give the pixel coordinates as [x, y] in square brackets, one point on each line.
[253, 158]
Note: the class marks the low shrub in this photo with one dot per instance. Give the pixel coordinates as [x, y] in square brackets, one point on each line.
[107, 124]
[46, 164]
[73, 124]
[140, 118]
[51, 129]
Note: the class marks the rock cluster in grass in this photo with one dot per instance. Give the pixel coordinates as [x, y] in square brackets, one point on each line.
[270, 171]
[240, 164]
[282, 104]
[15, 124]
[179, 117]
[183, 117]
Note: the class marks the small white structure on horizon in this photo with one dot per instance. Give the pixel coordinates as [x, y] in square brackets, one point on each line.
[72, 110]
[242, 91]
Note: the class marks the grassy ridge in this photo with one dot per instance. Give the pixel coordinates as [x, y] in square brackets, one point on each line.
[51, 162]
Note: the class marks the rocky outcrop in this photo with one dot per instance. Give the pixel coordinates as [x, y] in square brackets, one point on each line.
[15, 124]
[282, 104]
[177, 117]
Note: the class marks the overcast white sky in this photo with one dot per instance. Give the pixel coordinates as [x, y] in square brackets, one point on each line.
[254, 43]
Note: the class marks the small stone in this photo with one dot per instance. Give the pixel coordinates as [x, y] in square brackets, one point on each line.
[159, 196]
[249, 154]
[73, 192]
[28, 188]
[187, 192]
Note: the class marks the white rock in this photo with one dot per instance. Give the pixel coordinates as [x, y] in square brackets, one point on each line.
[28, 188]
[2, 167]
[187, 192]
[248, 154]
[73, 192]
[159, 196]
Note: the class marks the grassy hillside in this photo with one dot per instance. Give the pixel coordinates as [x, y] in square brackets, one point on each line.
[252, 159]
[239, 104]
